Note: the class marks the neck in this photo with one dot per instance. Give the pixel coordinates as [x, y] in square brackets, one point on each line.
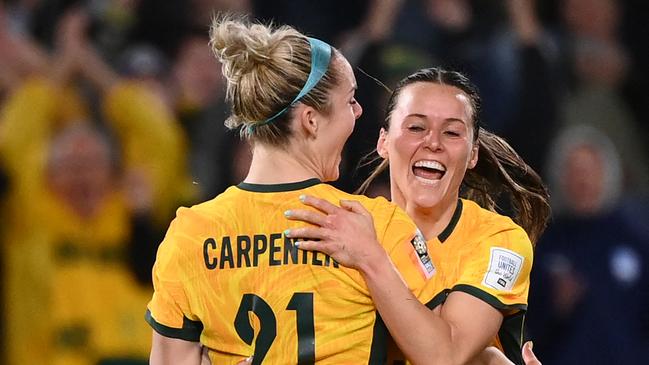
[431, 220]
[273, 165]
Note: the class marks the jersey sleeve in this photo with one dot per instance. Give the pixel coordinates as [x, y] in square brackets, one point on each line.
[409, 253]
[499, 272]
[169, 312]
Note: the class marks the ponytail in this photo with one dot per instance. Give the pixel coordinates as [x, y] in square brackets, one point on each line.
[501, 170]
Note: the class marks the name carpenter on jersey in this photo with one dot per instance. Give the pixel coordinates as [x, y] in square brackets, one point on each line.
[251, 251]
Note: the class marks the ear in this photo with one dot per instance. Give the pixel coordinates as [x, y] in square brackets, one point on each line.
[474, 155]
[308, 119]
[382, 144]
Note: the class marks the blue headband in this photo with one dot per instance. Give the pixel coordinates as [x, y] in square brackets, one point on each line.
[320, 58]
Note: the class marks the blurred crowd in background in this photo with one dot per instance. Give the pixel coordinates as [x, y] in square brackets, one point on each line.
[111, 116]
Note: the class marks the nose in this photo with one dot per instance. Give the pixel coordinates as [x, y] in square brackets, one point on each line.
[358, 110]
[433, 140]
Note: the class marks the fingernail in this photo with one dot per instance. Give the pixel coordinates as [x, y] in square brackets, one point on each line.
[531, 344]
[297, 244]
[288, 213]
[302, 198]
[287, 233]
[249, 359]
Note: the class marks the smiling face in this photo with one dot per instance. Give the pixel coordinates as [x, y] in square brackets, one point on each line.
[429, 145]
[335, 126]
[80, 170]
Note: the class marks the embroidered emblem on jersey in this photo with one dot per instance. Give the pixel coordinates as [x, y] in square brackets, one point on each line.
[504, 268]
[419, 244]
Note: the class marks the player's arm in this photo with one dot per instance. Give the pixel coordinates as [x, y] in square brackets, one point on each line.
[466, 324]
[464, 328]
[176, 330]
[173, 351]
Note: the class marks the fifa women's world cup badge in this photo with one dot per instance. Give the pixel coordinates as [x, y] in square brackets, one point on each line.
[421, 249]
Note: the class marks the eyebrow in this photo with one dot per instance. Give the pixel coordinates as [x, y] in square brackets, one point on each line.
[455, 120]
[416, 115]
[424, 116]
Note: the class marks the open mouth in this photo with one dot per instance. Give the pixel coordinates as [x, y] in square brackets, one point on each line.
[428, 171]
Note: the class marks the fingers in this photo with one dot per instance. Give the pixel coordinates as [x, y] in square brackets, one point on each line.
[354, 206]
[205, 357]
[320, 204]
[307, 216]
[528, 355]
[319, 246]
[310, 233]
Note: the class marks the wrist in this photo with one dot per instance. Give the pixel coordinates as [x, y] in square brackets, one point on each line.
[374, 265]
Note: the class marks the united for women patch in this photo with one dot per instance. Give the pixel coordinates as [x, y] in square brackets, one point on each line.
[421, 249]
[504, 267]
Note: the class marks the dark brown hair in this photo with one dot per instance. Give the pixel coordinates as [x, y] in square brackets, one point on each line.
[499, 168]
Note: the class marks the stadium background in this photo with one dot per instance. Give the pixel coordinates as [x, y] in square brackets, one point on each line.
[111, 115]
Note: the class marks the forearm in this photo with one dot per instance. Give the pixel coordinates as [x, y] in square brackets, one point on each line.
[422, 336]
[95, 70]
[454, 333]
[27, 119]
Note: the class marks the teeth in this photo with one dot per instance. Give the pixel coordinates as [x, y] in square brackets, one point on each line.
[427, 181]
[430, 164]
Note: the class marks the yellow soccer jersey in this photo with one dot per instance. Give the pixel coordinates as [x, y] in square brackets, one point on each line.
[227, 276]
[488, 256]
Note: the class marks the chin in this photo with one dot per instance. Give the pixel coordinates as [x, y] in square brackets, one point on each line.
[428, 201]
[426, 196]
[332, 173]
[333, 177]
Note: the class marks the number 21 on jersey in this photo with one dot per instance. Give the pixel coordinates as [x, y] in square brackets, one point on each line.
[301, 303]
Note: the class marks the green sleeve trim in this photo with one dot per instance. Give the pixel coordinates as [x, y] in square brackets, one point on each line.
[511, 330]
[438, 299]
[511, 337]
[488, 298]
[191, 330]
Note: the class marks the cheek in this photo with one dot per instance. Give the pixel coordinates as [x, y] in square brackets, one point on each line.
[349, 127]
[344, 129]
[402, 148]
[464, 154]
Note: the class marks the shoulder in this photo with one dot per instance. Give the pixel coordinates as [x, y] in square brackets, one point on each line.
[487, 223]
[217, 208]
[192, 225]
[492, 229]
[485, 219]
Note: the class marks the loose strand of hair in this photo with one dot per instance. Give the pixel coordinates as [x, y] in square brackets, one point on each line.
[375, 173]
[528, 194]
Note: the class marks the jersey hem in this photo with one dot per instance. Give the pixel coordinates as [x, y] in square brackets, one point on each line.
[191, 330]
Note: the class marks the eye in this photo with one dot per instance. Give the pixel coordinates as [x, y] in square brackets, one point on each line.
[452, 133]
[415, 128]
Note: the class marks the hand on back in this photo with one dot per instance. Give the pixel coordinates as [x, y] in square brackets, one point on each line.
[345, 233]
